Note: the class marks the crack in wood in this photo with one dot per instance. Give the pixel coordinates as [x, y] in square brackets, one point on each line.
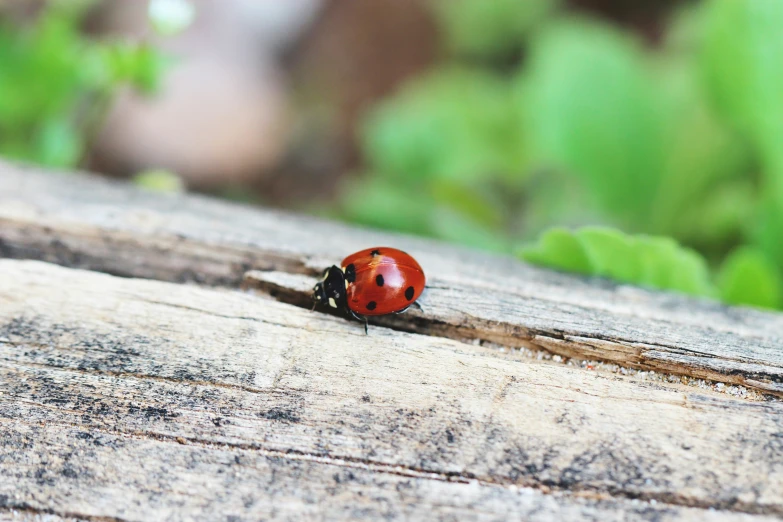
[15, 508]
[209, 312]
[554, 341]
[80, 254]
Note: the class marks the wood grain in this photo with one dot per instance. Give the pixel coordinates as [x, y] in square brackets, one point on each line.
[83, 222]
[126, 399]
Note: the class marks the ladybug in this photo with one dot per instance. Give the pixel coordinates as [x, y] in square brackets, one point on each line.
[375, 281]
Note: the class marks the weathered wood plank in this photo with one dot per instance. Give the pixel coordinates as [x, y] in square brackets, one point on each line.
[426, 419]
[84, 222]
[91, 475]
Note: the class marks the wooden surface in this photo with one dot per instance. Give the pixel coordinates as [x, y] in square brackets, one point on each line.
[124, 398]
[85, 223]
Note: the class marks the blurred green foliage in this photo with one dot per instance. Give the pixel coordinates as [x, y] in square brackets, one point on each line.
[159, 180]
[483, 29]
[56, 84]
[658, 262]
[680, 142]
[748, 277]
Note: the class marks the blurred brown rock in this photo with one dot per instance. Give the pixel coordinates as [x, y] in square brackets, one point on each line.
[215, 122]
[266, 94]
[221, 116]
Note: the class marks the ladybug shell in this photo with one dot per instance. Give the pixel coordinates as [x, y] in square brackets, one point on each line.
[381, 281]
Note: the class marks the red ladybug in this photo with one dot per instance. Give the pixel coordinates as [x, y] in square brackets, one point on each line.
[375, 281]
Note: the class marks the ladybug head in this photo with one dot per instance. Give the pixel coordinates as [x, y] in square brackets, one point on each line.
[331, 290]
[319, 296]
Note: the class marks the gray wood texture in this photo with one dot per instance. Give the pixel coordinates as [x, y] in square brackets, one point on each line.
[144, 398]
[94, 224]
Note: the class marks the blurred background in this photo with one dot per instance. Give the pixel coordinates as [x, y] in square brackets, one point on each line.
[641, 141]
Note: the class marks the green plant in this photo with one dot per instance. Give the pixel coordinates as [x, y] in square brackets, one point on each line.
[741, 62]
[681, 141]
[56, 84]
[748, 277]
[159, 180]
[450, 152]
[657, 262]
[481, 28]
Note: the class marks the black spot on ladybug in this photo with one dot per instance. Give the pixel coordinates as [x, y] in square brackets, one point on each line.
[379, 280]
[371, 305]
[409, 293]
[350, 273]
[375, 253]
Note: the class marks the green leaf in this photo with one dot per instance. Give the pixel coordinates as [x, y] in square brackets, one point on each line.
[159, 180]
[137, 64]
[690, 274]
[742, 66]
[595, 114]
[685, 31]
[702, 155]
[471, 200]
[481, 27]
[39, 73]
[747, 277]
[452, 226]
[767, 230]
[382, 203]
[560, 248]
[657, 262]
[148, 67]
[611, 253]
[453, 124]
[56, 82]
[718, 218]
[657, 256]
[58, 144]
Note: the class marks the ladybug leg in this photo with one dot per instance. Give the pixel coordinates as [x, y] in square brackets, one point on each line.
[359, 318]
[412, 305]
